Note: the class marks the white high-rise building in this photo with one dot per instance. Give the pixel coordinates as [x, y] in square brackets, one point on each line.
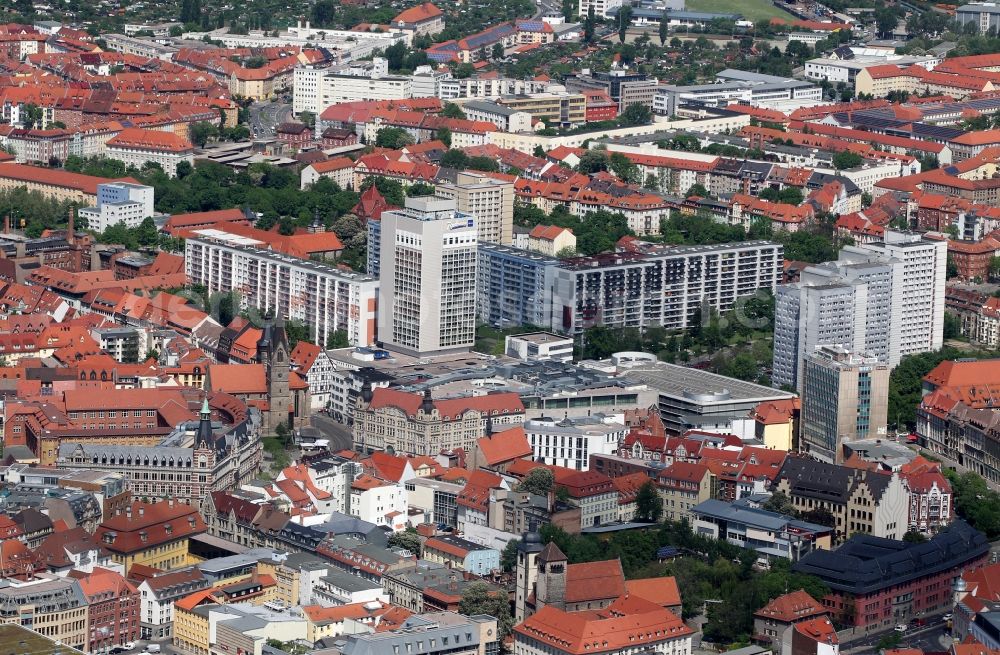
[427, 273]
[884, 299]
[918, 296]
[808, 315]
[119, 202]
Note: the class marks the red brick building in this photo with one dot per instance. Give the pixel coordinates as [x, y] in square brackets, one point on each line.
[972, 258]
[878, 583]
[294, 134]
[599, 106]
[113, 609]
[335, 137]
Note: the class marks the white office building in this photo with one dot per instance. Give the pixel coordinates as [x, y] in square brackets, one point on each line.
[119, 202]
[427, 273]
[885, 299]
[570, 442]
[324, 297]
[314, 89]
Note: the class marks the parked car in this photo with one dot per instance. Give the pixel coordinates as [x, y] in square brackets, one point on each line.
[901, 627]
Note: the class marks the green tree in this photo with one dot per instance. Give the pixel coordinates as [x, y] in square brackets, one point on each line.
[589, 25]
[886, 19]
[994, 269]
[393, 137]
[624, 168]
[914, 537]
[323, 13]
[820, 516]
[147, 234]
[201, 132]
[952, 326]
[975, 502]
[32, 116]
[538, 481]
[845, 159]
[497, 51]
[407, 539]
[664, 28]
[697, 190]
[635, 114]
[455, 159]
[484, 163]
[443, 135]
[624, 20]
[478, 599]
[337, 339]
[281, 432]
[593, 161]
[569, 11]
[296, 331]
[780, 502]
[508, 557]
[419, 189]
[648, 503]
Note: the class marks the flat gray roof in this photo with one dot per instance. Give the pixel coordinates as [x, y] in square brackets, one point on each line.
[702, 387]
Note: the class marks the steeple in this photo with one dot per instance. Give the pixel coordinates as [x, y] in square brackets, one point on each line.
[427, 406]
[204, 436]
[366, 392]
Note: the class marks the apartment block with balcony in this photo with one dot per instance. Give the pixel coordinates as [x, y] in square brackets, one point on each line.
[667, 287]
[324, 297]
[514, 286]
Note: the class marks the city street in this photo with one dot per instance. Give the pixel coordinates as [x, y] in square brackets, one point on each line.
[338, 433]
[265, 116]
[930, 638]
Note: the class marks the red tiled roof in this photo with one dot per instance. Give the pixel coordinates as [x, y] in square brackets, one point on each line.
[420, 13]
[628, 623]
[505, 446]
[55, 177]
[790, 607]
[149, 525]
[134, 137]
[662, 591]
[238, 379]
[594, 581]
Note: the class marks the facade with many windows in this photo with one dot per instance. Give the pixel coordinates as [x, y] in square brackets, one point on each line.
[514, 286]
[324, 297]
[666, 287]
[427, 273]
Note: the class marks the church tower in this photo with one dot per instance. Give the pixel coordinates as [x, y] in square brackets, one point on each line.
[550, 589]
[527, 569]
[273, 353]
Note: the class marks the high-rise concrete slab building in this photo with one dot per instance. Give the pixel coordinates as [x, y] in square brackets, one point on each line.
[427, 262]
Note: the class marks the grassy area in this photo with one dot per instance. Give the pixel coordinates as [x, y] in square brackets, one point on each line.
[490, 340]
[754, 10]
[279, 456]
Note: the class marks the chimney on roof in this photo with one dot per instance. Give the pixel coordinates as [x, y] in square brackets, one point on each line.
[70, 226]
